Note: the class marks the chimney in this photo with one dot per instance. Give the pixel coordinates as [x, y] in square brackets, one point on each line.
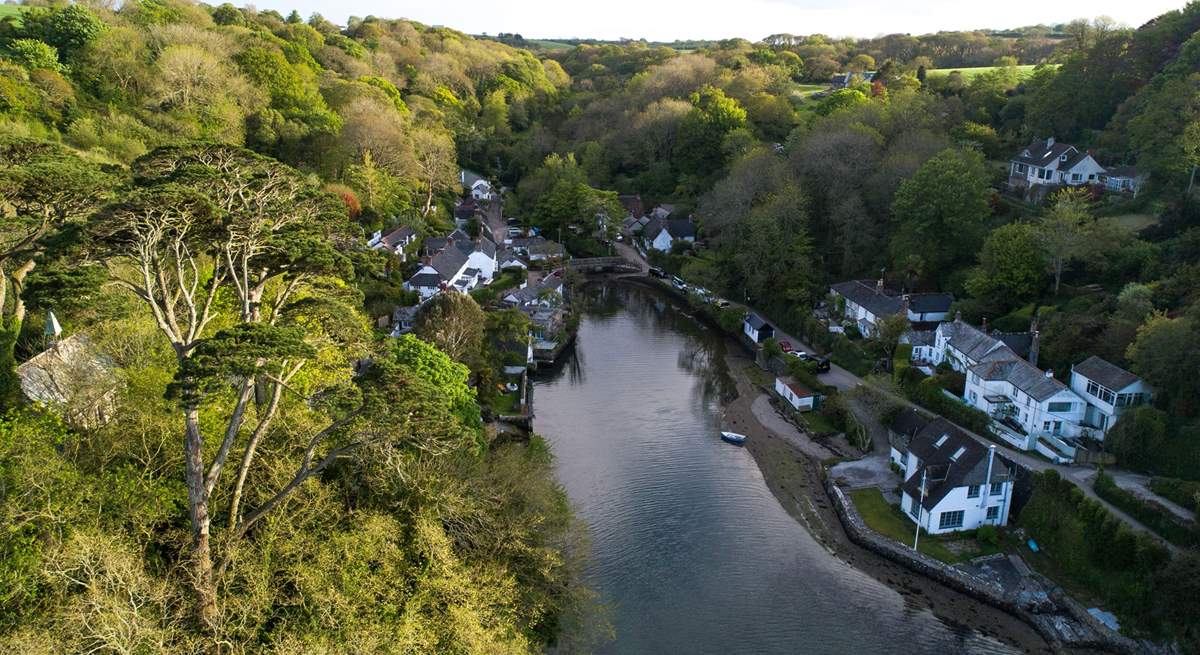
[1034, 341]
[879, 286]
[987, 480]
[983, 328]
[958, 316]
[1049, 373]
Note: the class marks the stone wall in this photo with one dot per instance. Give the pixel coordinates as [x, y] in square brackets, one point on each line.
[1059, 620]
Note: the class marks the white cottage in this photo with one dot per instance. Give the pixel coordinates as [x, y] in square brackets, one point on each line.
[951, 482]
[755, 327]
[1108, 391]
[800, 397]
[661, 234]
[1048, 162]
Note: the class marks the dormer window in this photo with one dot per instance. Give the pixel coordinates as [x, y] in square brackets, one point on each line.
[1062, 157]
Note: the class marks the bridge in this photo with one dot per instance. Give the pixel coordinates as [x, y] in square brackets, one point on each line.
[603, 265]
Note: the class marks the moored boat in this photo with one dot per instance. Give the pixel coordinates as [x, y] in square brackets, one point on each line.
[733, 437]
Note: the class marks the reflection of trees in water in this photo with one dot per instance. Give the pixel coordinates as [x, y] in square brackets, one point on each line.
[703, 352]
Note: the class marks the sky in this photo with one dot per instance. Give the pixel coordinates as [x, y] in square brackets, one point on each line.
[668, 20]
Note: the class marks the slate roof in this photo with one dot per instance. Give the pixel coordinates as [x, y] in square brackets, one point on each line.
[969, 340]
[863, 293]
[69, 373]
[930, 303]
[633, 205]
[756, 321]
[682, 228]
[434, 244]
[920, 337]
[1018, 342]
[909, 422]
[1042, 153]
[1110, 375]
[1004, 365]
[652, 228]
[944, 473]
[1123, 171]
[449, 262]
[397, 236]
[426, 280]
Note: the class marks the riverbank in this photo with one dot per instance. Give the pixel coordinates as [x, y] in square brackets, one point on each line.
[794, 477]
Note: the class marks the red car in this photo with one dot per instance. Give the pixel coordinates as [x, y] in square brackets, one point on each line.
[786, 346]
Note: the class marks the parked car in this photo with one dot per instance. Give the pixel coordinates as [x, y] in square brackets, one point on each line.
[514, 231]
[658, 272]
[678, 283]
[822, 364]
[723, 304]
[786, 346]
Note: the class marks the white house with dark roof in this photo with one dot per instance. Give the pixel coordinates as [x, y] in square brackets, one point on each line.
[951, 482]
[1044, 163]
[1108, 390]
[865, 302]
[758, 329]
[962, 345]
[454, 262]
[394, 241]
[662, 233]
[1029, 408]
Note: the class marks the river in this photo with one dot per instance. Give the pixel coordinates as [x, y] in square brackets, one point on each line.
[690, 551]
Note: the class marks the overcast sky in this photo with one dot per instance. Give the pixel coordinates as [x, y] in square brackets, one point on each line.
[667, 20]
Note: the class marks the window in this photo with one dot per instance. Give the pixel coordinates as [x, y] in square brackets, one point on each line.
[973, 491]
[904, 459]
[997, 488]
[993, 513]
[958, 453]
[1076, 177]
[1097, 391]
[1046, 426]
[941, 440]
[1020, 168]
[1060, 407]
[950, 520]
[913, 508]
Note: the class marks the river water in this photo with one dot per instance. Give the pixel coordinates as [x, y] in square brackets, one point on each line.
[691, 553]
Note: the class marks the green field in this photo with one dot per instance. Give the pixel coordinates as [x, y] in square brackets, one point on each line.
[10, 10]
[549, 45]
[968, 73]
[806, 90]
[887, 520]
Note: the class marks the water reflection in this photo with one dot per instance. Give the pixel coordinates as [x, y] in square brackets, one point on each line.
[689, 547]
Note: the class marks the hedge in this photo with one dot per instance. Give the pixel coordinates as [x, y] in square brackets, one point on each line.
[1157, 519]
[1182, 492]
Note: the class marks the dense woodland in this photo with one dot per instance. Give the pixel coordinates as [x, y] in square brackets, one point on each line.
[190, 186]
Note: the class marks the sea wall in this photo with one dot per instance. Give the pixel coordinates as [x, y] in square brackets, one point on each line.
[1059, 619]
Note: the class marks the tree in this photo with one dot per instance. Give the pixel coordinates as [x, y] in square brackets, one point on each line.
[44, 189]
[945, 202]
[454, 323]
[860, 63]
[1137, 436]
[1064, 231]
[204, 219]
[702, 133]
[1166, 353]
[435, 163]
[889, 330]
[1010, 269]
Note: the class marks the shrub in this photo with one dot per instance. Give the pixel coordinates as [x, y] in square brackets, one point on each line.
[1181, 492]
[987, 536]
[1153, 517]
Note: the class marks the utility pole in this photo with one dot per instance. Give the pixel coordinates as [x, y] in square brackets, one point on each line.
[920, 509]
[1191, 180]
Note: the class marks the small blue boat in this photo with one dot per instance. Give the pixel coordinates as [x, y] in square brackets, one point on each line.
[733, 437]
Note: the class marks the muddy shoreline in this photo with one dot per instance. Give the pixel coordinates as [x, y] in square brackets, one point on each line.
[794, 477]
